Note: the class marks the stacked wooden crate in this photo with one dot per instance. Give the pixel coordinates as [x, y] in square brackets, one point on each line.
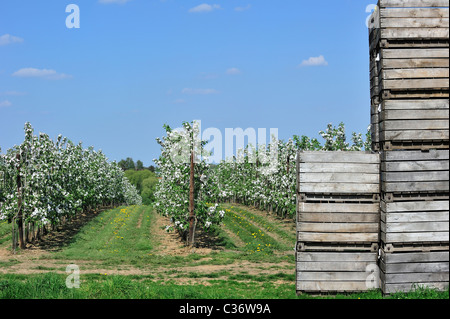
[337, 221]
[409, 43]
[409, 74]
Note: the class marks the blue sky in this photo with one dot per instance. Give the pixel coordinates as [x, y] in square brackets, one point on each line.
[134, 65]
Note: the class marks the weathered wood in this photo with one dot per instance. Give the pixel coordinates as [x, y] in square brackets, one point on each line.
[414, 267]
[415, 84]
[412, 227]
[338, 208]
[415, 176]
[339, 157]
[391, 187]
[415, 277]
[413, 3]
[414, 114]
[414, 206]
[415, 166]
[414, 237]
[414, 13]
[339, 188]
[414, 73]
[338, 237]
[332, 271]
[415, 217]
[407, 287]
[432, 256]
[414, 22]
[338, 168]
[334, 256]
[414, 125]
[338, 227]
[339, 178]
[407, 105]
[330, 286]
[415, 171]
[414, 62]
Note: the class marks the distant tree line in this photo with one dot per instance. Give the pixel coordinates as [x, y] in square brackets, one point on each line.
[128, 164]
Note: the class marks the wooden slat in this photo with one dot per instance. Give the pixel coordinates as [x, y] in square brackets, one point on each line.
[415, 267]
[338, 237]
[414, 114]
[406, 287]
[413, 3]
[413, 53]
[413, 63]
[354, 266]
[414, 206]
[415, 13]
[415, 277]
[414, 22]
[413, 73]
[414, 227]
[414, 237]
[338, 217]
[337, 208]
[432, 256]
[414, 156]
[337, 256]
[339, 178]
[414, 125]
[415, 217]
[338, 168]
[339, 157]
[343, 276]
[415, 176]
[334, 228]
[329, 286]
[390, 187]
[414, 33]
[410, 84]
[407, 105]
[339, 188]
[415, 166]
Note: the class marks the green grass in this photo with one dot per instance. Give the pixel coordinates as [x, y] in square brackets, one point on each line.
[118, 235]
[122, 237]
[53, 286]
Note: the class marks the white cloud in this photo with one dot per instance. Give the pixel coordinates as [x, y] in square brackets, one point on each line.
[199, 91]
[8, 39]
[205, 8]
[240, 9]
[315, 61]
[113, 1]
[12, 93]
[40, 73]
[5, 103]
[233, 71]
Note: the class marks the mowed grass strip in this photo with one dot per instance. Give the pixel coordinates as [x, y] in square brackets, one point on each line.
[121, 233]
[287, 240]
[256, 240]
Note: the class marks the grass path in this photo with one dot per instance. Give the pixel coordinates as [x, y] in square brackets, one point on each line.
[125, 253]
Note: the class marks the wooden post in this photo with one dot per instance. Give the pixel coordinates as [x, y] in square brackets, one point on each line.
[19, 205]
[191, 203]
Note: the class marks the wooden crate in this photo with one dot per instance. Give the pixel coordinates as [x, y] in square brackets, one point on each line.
[411, 73]
[333, 223]
[415, 172]
[405, 271]
[414, 122]
[425, 22]
[338, 173]
[413, 222]
[336, 271]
